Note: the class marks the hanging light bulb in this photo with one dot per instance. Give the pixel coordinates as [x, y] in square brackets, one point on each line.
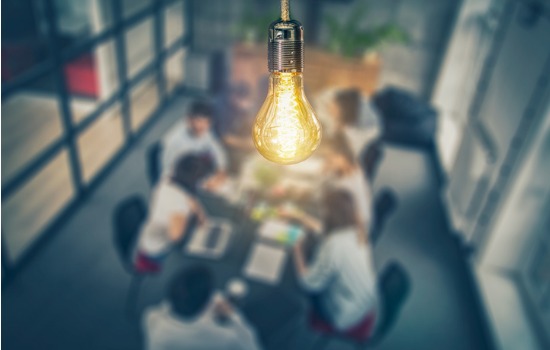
[286, 130]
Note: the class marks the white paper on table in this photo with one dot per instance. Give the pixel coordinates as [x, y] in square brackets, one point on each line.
[265, 263]
[310, 167]
[279, 231]
[273, 229]
[197, 246]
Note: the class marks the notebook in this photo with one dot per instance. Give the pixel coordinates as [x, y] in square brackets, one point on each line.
[280, 231]
[265, 263]
[210, 240]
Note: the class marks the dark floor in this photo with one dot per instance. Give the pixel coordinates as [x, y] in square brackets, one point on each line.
[71, 296]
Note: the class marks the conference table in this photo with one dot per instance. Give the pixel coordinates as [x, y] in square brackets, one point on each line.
[274, 309]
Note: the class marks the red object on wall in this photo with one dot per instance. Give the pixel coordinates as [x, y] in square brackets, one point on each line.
[81, 76]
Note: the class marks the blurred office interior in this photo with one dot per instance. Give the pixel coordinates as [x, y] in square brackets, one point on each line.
[461, 88]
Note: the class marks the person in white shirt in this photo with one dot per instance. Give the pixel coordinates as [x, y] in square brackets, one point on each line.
[342, 277]
[173, 205]
[344, 172]
[194, 135]
[196, 318]
[347, 111]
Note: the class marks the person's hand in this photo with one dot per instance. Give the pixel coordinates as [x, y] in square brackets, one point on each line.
[278, 191]
[214, 182]
[289, 213]
[299, 244]
[223, 309]
[202, 218]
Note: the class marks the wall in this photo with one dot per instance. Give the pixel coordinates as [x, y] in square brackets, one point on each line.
[415, 65]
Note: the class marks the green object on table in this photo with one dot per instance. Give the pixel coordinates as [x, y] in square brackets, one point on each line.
[262, 212]
[267, 175]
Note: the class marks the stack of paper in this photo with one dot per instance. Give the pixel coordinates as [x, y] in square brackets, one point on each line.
[265, 263]
[280, 231]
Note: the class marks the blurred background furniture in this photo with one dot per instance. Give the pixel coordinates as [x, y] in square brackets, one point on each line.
[323, 69]
[385, 204]
[395, 287]
[154, 162]
[128, 217]
[371, 158]
[407, 119]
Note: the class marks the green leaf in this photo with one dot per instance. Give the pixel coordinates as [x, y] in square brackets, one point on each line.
[348, 39]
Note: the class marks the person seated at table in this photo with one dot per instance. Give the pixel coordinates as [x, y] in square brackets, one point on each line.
[195, 317]
[194, 135]
[344, 172]
[355, 117]
[173, 205]
[235, 118]
[341, 280]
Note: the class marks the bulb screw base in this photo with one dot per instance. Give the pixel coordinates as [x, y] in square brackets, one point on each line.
[285, 48]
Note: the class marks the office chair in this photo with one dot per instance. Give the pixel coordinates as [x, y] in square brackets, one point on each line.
[371, 158]
[154, 162]
[385, 204]
[128, 217]
[394, 287]
[407, 119]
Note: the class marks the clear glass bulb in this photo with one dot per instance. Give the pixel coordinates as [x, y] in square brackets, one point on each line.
[286, 130]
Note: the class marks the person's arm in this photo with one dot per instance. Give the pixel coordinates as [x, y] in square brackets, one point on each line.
[299, 259]
[218, 153]
[168, 153]
[308, 221]
[221, 164]
[316, 277]
[177, 226]
[199, 211]
[174, 145]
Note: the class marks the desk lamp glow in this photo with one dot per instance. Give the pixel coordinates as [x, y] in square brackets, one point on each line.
[286, 130]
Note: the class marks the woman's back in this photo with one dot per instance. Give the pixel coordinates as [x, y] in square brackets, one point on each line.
[344, 274]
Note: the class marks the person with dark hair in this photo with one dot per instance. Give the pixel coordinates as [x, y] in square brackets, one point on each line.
[344, 172]
[195, 317]
[354, 116]
[173, 205]
[235, 118]
[341, 280]
[194, 135]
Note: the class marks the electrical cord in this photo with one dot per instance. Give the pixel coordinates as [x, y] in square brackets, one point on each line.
[285, 10]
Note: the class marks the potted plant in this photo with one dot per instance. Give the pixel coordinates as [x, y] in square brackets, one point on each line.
[351, 55]
[349, 59]
[348, 39]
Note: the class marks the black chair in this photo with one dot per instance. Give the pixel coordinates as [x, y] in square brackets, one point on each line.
[385, 203]
[371, 158]
[407, 119]
[128, 217]
[394, 286]
[154, 162]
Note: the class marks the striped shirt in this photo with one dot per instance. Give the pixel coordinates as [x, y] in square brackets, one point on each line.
[343, 272]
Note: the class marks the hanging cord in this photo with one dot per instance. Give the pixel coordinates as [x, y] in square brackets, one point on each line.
[285, 10]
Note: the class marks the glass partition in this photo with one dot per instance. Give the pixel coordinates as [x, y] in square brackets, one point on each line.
[35, 204]
[67, 114]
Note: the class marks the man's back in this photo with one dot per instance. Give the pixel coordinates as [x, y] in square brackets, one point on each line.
[165, 331]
